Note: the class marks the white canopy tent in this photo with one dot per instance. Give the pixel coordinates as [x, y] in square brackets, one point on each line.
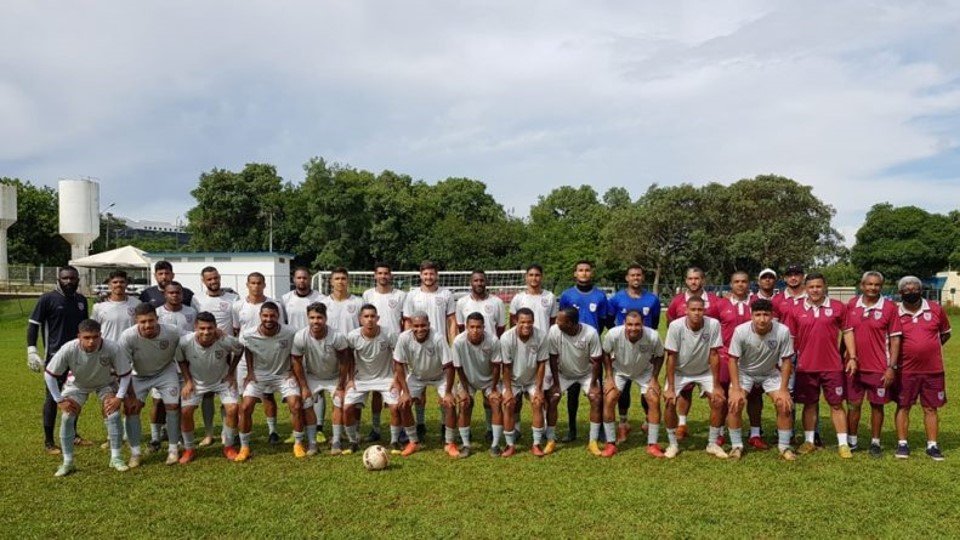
[124, 257]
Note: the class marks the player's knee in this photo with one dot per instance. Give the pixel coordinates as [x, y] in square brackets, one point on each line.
[929, 410]
[171, 406]
[230, 409]
[114, 416]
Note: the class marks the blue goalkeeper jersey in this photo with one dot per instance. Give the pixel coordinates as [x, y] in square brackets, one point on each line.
[648, 305]
[592, 305]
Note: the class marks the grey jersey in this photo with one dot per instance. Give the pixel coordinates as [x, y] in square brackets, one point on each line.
[492, 308]
[90, 370]
[576, 352]
[150, 356]
[373, 356]
[438, 305]
[425, 360]
[295, 307]
[320, 358]
[632, 359]
[523, 357]
[182, 320]
[246, 314]
[389, 306]
[208, 365]
[114, 317]
[344, 315]
[271, 354]
[476, 360]
[220, 307]
[543, 305]
[760, 354]
[693, 348]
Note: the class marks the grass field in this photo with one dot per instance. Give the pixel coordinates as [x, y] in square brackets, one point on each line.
[429, 495]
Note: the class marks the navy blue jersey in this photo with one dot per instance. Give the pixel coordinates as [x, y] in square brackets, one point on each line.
[648, 305]
[592, 305]
[58, 317]
[155, 297]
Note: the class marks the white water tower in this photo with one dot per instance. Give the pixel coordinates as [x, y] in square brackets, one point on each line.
[79, 214]
[8, 216]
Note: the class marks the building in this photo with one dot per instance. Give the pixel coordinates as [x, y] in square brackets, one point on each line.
[233, 268]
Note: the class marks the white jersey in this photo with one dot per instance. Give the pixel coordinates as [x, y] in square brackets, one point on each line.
[389, 307]
[543, 305]
[271, 354]
[523, 357]
[492, 308]
[632, 359]
[425, 360]
[90, 370]
[757, 354]
[320, 358]
[114, 317]
[693, 348]
[182, 320]
[150, 356]
[209, 366]
[344, 315]
[295, 307]
[246, 315]
[220, 307]
[374, 356]
[575, 353]
[476, 360]
[438, 305]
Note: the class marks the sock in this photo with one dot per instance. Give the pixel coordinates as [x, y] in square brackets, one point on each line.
[245, 440]
[272, 424]
[488, 415]
[154, 432]
[852, 439]
[113, 433]
[206, 409]
[511, 437]
[808, 436]
[337, 433]
[375, 421]
[754, 431]
[683, 419]
[653, 433]
[173, 429]
[188, 440]
[931, 444]
[875, 441]
[311, 437]
[736, 438]
[465, 435]
[298, 437]
[672, 436]
[783, 439]
[68, 432]
[394, 434]
[721, 430]
[228, 435]
[610, 431]
[497, 434]
[411, 434]
[352, 433]
[537, 436]
[713, 433]
[551, 433]
[623, 419]
[448, 434]
[902, 442]
[594, 431]
[841, 439]
[133, 433]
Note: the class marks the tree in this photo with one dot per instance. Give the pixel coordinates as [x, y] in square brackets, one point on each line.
[35, 237]
[906, 240]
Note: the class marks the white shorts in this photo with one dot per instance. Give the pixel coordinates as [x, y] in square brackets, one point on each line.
[643, 381]
[704, 380]
[228, 394]
[770, 382]
[167, 383]
[418, 386]
[316, 386]
[584, 381]
[286, 385]
[358, 394]
[486, 390]
[79, 394]
[528, 389]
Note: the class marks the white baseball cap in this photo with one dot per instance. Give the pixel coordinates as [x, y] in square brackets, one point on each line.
[766, 271]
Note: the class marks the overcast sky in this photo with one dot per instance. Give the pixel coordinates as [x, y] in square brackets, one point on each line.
[859, 99]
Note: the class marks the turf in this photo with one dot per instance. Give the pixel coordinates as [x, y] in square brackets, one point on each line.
[430, 495]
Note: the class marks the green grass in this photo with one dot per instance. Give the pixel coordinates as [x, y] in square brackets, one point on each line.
[429, 495]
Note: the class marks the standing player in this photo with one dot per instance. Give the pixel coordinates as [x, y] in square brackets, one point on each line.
[267, 355]
[476, 355]
[295, 305]
[633, 352]
[524, 353]
[815, 325]
[925, 330]
[876, 330]
[386, 298]
[208, 362]
[216, 300]
[591, 305]
[95, 365]
[766, 284]
[575, 359]
[56, 314]
[481, 301]
[152, 348]
[115, 313]
[174, 312]
[792, 296]
[156, 295]
[760, 354]
[692, 347]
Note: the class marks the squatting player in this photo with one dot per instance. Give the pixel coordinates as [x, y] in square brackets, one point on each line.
[575, 359]
[524, 354]
[476, 356]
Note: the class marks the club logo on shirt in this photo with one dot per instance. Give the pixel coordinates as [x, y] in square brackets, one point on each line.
[218, 354]
[877, 315]
[532, 350]
[351, 309]
[83, 307]
[881, 391]
[940, 395]
[771, 344]
[486, 349]
[392, 303]
[488, 309]
[164, 344]
[927, 316]
[104, 361]
[828, 312]
[545, 302]
[646, 311]
[224, 306]
[580, 343]
[130, 312]
[284, 343]
[440, 301]
[838, 390]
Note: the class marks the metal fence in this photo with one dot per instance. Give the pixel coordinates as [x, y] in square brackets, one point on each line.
[26, 279]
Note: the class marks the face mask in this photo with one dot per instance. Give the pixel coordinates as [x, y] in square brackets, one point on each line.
[911, 298]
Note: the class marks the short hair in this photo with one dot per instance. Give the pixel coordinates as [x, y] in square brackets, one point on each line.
[144, 308]
[252, 275]
[318, 307]
[380, 264]
[534, 266]
[814, 275]
[367, 307]
[636, 266]
[909, 280]
[269, 306]
[419, 315]
[525, 311]
[587, 262]
[163, 265]
[301, 269]
[68, 268]
[339, 270]
[173, 284]
[696, 300]
[762, 304]
[118, 274]
[88, 326]
[428, 265]
[633, 313]
[696, 269]
[740, 273]
[207, 270]
[871, 273]
[475, 316]
[571, 312]
[477, 271]
[207, 317]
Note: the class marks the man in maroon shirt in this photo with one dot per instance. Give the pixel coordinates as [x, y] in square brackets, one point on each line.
[925, 330]
[876, 330]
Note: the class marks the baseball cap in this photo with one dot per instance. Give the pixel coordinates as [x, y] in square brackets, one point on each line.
[794, 269]
[766, 271]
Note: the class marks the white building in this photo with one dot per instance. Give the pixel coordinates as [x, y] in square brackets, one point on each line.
[233, 268]
[950, 293]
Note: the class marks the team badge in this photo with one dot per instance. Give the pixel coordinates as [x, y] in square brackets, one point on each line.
[190, 318]
[545, 302]
[351, 309]
[531, 350]
[172, 392]
[488, 308]
[130, 311]
[771, 344]
[284, 343]
[82, 307]
[104, 361]
[927, 316]
[828, 312]
[877, 315]
[593, 307]
[940, 395]
[486, 349]
[218, 354]
[164, 344]
[838, 390]
[392, 303]
[224, 306]
[646, 311]
[580, 344]
[440, 300]
[881, 391]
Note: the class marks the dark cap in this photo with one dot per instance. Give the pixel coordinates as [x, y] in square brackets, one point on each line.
[794, 269]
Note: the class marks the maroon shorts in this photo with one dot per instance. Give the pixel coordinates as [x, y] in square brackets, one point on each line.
[807, 385]
[930, 387]
[869, 385]
[723, 377]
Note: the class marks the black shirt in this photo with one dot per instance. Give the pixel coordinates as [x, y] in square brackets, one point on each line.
[155, 297]
[58, 317]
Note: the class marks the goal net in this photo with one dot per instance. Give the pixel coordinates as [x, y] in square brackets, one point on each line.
[503, 283]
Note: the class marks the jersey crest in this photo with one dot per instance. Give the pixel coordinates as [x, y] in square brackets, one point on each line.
[488, 308]
[440, 301]
[218, 354]
[83, 307]
[877, 315]
[927, 316]
[164, 344]
[828, 312]
[593, 307]
[104, 361]
[392, 303]
[284, 343]
[351, 309]
[646, 310]
[545, 302]
[130, 311]
[224, 306]
[771, 344]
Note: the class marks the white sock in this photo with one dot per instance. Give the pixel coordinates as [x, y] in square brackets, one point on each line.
[154, 432]
[187, 439]
[875, 441]
[808, 436]
[537, 436]
[902, 442]
[931, 444]
[610, 431]
[672, 436]
[337, 433]
[653, 433]
[783, 439]
[754, 431]
[352, 433]
[412, 434]
[449, 434]
[551, 433]
[244, 440]
[682, 419]
[594, 431]
[311, 437]
[511, 437]
[842, 439]
[394, 434]
[227, 435]
[298, 437]
[497, 434]
[465, 435]
[852, 439]
[714, 432]
[736, 438]
[272, 424]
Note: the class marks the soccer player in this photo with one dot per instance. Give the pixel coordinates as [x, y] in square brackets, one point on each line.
[436, 301]
[152, 348]
[792, 296]
[55, 316]
[115, 313]
[575, 359]
[541, 302]
[476, 356]
[423, 359]
[296, 301]
[208, 361]
[321, 355]
[216, 300]
[591, 305]
[174, 312]
[760, 355]
[692, 345]
[96, 365]
[815, 324]
[633, 352]
[156, 295]
[343, 308]
[876, 330]
[268, 359]
[633, 298]
[766, 284]
[925, 330]
[481, 301]
[524, 353]
[372, 370]
[386, 298]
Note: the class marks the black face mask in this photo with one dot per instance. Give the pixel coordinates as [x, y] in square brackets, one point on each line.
[911, 297]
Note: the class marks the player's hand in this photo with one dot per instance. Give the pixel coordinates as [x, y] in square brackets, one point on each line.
[132, 404]
[718, 396]
[111, 405]
[609, 386]
[447, 400]
[69, 406]
[851, 367]
[538, 399]
[34, 362]
[737, 399]
[670, 395]
[888, 377]
[654, 389]
[187, 390]
[555, 389]
[305, 394]
[464, 398]
[782, 398]
[507, 395]
[248, 379]
[403, 400]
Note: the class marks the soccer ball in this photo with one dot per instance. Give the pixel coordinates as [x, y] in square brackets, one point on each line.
[376, 458]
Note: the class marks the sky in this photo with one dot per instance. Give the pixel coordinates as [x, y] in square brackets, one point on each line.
[860, 100]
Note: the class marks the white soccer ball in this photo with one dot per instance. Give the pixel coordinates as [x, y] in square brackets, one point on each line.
[376, 458]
